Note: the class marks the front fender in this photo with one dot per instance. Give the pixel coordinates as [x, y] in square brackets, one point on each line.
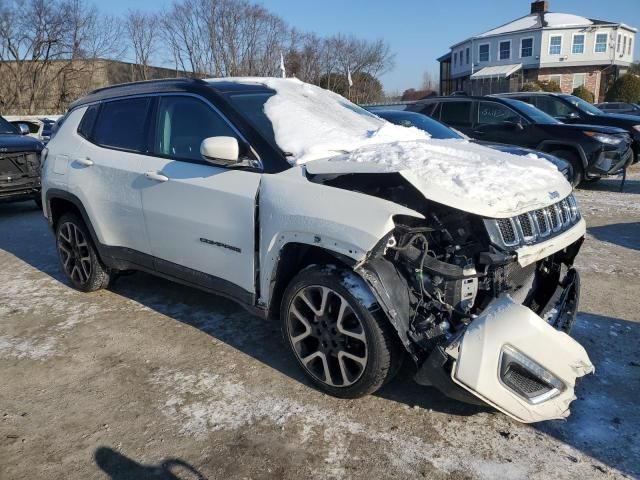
[292, 209]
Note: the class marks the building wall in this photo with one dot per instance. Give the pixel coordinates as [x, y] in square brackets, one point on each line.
[567, 75]
[590, 56]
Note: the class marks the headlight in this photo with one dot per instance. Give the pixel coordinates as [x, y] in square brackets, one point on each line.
[604, 138]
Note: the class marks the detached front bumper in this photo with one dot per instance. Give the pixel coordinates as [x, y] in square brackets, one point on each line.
[514, 360]
[610, 162]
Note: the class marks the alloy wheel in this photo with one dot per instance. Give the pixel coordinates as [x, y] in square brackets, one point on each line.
[327, 336]
[74, 253]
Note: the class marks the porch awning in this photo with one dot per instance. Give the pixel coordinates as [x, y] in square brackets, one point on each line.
[500, 71]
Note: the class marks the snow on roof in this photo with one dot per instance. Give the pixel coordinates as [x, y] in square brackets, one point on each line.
[535, 21]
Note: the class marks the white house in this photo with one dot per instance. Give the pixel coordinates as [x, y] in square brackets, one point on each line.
[565, 48]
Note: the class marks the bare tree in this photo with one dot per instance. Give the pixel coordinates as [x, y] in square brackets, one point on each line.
[143, 30]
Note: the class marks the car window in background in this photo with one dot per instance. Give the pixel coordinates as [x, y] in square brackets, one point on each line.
[553, 106]
[7, 128]
[535, 114]
[456, 114]
[409, 119]
[122, 124]
[183, 123]
[583, 105]
[496, 113]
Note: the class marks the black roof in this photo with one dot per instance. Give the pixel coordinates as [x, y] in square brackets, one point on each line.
[511, 94]
[191, 85]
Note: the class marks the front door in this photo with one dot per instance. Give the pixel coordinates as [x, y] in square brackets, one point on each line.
[200, 217]
[498, 123]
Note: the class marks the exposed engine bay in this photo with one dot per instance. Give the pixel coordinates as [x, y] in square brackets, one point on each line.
[436, 276]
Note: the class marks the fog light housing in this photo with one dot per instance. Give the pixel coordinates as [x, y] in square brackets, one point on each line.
[604, 163]
[526, 378]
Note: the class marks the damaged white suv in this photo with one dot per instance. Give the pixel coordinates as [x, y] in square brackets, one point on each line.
[370, 241]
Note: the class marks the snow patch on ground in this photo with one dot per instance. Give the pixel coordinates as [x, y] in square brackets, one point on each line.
[27, 348]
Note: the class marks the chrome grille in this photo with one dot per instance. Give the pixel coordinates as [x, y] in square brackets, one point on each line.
[537, 225]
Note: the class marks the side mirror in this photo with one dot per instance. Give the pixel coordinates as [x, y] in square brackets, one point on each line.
[24, 129]
[513, 125]
[220, 150]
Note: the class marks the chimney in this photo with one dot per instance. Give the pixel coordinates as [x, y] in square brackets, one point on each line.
[541, 6]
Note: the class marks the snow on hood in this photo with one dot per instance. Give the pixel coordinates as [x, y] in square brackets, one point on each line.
[463, 175]
[329, 134]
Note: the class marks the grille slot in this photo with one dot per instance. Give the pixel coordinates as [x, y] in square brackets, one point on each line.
[553, 215]
[524, 382]
[526, 226]
[541, 221]
[507, 231]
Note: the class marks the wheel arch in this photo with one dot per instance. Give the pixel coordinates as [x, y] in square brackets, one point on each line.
[59, 202]
[548, 146]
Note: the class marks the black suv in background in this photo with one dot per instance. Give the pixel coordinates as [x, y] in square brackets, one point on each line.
[571, 109]
[593, 151]
[19, 163]
[619, 107]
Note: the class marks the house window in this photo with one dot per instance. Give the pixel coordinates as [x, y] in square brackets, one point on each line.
[601, 42]
[455, 59]
[483, 52]
[629, 46]
[619, 42]
[579, 79]
[505, 50]
[624, 44]
[556, 79]
[526, 47]
[555, 45]
[578, 44]
[467, 55]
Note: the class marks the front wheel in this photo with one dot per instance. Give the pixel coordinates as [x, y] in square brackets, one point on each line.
[337, 333]
[78, 256]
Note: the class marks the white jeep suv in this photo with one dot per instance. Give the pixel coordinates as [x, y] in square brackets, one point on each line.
[369, 241]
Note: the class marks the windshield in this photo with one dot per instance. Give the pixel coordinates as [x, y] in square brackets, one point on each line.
[7, 128]
[252, 107]
[582, 105]
[536, 115]
[409, 119]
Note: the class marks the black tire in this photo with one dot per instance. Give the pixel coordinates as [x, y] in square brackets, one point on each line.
[576, 163]
[38, 201]
[361, 317]
[592, 180]
[78, 256]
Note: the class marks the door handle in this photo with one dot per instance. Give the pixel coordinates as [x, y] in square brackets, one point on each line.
[85, 161]
[158, 177]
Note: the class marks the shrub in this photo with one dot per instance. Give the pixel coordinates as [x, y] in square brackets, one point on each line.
[584, 93]
[624, 89]
[531, 87]
[547, 86]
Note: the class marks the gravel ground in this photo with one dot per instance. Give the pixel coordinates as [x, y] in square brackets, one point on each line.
[151, 380]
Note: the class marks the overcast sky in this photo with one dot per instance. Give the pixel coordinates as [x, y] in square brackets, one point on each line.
[418, 31]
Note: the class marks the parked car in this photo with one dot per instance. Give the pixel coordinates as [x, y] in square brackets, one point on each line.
[592, 151]
[440, 131]
[19, 163]
[619, 107]
[571, 109]
[39, 128]
[369, 241]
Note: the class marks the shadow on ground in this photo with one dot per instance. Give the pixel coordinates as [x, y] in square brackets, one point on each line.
[623, 234]
[612, 184]
[120, 467]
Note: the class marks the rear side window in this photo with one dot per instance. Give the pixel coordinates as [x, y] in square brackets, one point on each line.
[122, 124]
[88, 121]
[495, 113]
[553, 106]
[456, 114]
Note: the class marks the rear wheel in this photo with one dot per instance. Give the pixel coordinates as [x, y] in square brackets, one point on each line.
[78, 256]
[337, 333]
[576, 164]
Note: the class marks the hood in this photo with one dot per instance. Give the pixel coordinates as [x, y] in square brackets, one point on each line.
[458, 173]
[620, 118]
[591, 128]
[19, 143]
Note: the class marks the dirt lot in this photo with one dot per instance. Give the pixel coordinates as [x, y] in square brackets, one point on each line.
[153, 380]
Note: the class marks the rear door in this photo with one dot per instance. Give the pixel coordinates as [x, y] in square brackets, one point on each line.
[457, 114]
[105, 170]
[496, 122]
[200, 217]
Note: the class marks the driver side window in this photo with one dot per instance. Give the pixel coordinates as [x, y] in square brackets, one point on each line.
[183, 123]
[495, 113]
